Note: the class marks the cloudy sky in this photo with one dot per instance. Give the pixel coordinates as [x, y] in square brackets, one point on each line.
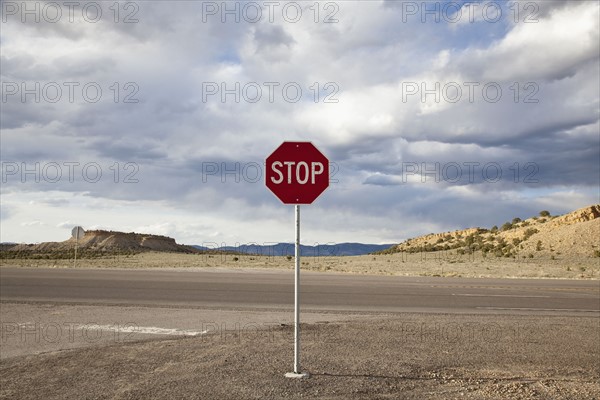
[157, 116]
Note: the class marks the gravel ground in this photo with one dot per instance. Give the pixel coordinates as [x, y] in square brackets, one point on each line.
[409, 356]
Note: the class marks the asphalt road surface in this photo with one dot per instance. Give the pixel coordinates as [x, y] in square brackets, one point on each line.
[274, 290]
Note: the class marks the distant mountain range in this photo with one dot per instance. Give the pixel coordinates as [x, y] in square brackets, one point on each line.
[287, 249]
[99, 242]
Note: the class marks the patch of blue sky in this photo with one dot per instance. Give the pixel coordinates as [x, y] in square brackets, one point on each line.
[229, 55]
[462, 24]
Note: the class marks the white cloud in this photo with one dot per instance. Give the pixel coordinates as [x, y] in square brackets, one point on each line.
[32, 223]
[164, 141]
[66, 225]
[553, 48]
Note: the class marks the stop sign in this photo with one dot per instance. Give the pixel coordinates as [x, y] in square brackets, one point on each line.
[297, 172]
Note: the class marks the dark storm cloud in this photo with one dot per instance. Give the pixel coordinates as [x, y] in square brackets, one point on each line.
[272, 36]
[175, 136]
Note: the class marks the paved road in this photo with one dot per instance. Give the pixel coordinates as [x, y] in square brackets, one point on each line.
[255, 289]
[236, 317]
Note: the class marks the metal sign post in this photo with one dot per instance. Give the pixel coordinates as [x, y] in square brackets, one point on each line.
[297, 173]
[297, 298]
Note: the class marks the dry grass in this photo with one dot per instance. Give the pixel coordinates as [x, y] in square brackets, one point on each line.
[400, 264]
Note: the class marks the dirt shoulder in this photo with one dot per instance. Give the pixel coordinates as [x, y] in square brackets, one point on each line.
[411, 356]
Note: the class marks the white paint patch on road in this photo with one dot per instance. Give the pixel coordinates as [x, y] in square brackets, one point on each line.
[151, 330]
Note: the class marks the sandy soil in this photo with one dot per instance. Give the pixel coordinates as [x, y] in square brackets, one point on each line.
[396, 357]
[401, 264]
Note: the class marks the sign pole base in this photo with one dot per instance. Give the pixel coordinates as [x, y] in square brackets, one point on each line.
[300, 375]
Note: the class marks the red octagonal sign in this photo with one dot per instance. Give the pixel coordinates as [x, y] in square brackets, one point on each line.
[297, 172]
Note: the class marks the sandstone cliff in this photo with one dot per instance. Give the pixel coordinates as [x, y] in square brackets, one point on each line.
[575, 233]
